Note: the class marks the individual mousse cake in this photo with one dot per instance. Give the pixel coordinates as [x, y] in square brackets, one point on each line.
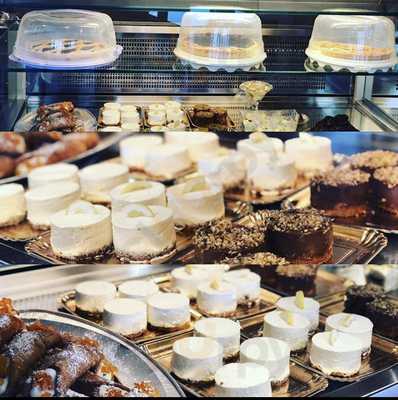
[301, 236]
[142, 233]
[44, 201]
[12, 204]
[217, 299]
[168, 311]
[273, 354]
[384, 314]
[138, 192]
[91, 296]
[138, 290]
[247, 285]
[336, 353]
[225, 331]
[357, 297]
[133, 150]
[127, 317]
[81, 231]
[187, 279]
[355, 325]
[243, 380]
[259, 143]
[195, 202]
[302, 305]
[385, 190]
[196, 359]
[341, 193]
[53, 173]
[293, 328]
[370, 161]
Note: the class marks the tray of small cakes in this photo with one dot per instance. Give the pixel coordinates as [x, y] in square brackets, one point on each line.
[115, 117]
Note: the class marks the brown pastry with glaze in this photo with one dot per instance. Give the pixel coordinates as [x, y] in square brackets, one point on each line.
[12, 144]
[45, 110]
[34, 140]
[385, 190]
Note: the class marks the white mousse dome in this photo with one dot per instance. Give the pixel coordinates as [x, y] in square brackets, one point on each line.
[12, 204]
[91, 296]
[53, 173]
[259, 142]
[138, 289]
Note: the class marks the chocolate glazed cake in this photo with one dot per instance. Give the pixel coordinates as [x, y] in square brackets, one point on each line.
[369, 161]
[385, 189]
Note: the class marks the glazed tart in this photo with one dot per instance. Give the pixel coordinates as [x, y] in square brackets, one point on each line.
[247, 285]
[385, 190]
[138, 290]
[186, 280]
[12, 204]
[369, 161]
[259, 143]
[53, 173]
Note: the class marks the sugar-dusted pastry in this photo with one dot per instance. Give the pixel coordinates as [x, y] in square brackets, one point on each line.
[186, 280]
[12, 204]
[53, 173]
[138, 289]
[247, 285]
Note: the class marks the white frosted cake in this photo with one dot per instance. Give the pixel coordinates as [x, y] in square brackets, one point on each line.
[215, 271]
[196, 359]
[195, 202]
[53, 173]
[126, 317]
[336, 353]
[82, 230]
[142, 233]
[187, 279]
[291, 327]
[12, 204]
[138, 289]
[168, 311]
[98, 180]
[138, 192]
[274, 354]
[243, 380]
[247, 285]
[46, 200]
[225, 331]
[259, 142]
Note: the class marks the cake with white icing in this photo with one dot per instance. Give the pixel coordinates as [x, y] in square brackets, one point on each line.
[258, 143]
[44, 201]
[142, 233]
[81, 231]
[187, 279]
[247, 285]
[274, 354]
[53, 173]
[336, 353]
[138, 289]
[225, 331]
[196, 359]
[127, 317]
[98, 180]
[12, 204]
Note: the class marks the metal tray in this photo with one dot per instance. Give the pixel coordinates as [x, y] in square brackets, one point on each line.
[102, 125]
[302, 199]
[22, 232]
[133, 365]
[148, 127]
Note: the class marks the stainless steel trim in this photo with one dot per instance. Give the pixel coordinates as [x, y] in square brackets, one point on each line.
[376, 114]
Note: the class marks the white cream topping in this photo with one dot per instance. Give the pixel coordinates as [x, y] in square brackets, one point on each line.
[12, 203]
[156, 117]
[186, 280]
[92, 295]
[138, 289]
[37, 391]
[258, 142]
[217, 300]
[53, 173]
[246, 283]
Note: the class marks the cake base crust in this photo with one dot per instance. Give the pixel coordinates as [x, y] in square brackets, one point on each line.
[127, 258]
[95, 255]
[164, 329]
[277, 384]
[227, 314]
[132, 336]
[336, 374]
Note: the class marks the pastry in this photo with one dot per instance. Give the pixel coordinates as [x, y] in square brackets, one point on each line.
[205, 116]
[247, 285]
[175, 126]
[174, 115]
[131, 108]
[357, 297]
[12, 204]
[12, 144]
[384, 315]
[259, 143]
[130, 126]
[273, 354]
[55, 173]
[110, 117]
[370, 161]
[46, 200]
[385, 190]
[157, 107]
[81, 231]
[385, 275]
[186, 280]
[112, 106]
[196, 359]
[35, 140]
[128, 117]
[138, 290]
[156, 117]
[291, 278]
[337, 123]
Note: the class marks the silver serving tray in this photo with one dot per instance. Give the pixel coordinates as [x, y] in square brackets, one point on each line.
[133, 365]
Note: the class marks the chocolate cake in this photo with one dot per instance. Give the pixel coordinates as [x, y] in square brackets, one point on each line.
[205, 116]
[357, 298]
[338, 123]
[385, 190]
[384, 315]
[369, 161]
[291, 278]
[341, 193]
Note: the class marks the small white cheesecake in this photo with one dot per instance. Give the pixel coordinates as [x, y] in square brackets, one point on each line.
[293, 328]
[127, 317]
[186, 280]
[91, 296]
[272, 353]
[225, 331]
[243, 380]
[336, 353]
[12, 204]
[138, 290]
[53, 173]
[247, 285]
[259, 142]
[169, 311]
[196, 359]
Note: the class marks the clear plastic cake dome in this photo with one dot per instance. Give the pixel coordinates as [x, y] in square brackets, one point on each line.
[357, 43]
[227, 41]
[66, 39]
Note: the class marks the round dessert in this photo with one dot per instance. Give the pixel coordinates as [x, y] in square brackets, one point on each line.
[341, 193]
[217, 299]
[138, 290]
[12, 204]
[195, 202]
[167, 161]
[138, 192]
[243, 380]
[199, 144]
[134, 150]
[186, 280]
[355, 325]
[110, 117]
[112, 106]
[308, 307]
[129, 117]
[215, 271]
[259, 143]
[142, 233]
[291, 327]
[168, 311]
[247, 285]
[274, 354]
[370, 161]
[53, 173]
[99, 179]
[225, 331]
[312, 154]
[385, 190]
[91, 296]
[196, 359]
[156, 117]
[126, 317]
[46, 200]
[291, 278]
[81, 231]
[336, 353]
[357, 297]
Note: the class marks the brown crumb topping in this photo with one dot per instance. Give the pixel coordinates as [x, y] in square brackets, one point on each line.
[375, 159]
[369, 290]
[384, 306]
[389, 176]
[264, 259]
[342, 177]
[297, 271]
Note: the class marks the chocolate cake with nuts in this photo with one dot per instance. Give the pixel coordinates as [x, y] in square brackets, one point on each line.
[369, 161]
[291, 278]
[357, 298]
[384, 315]
[385, 190]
